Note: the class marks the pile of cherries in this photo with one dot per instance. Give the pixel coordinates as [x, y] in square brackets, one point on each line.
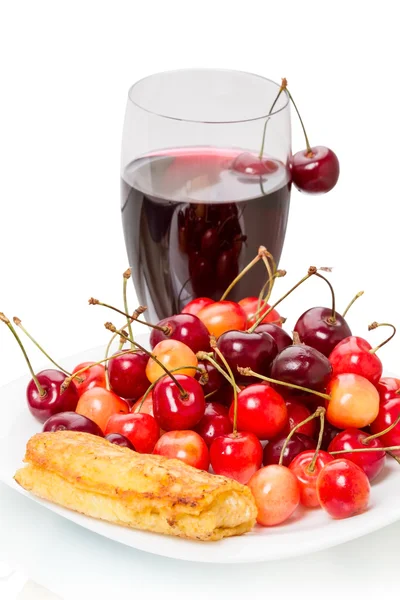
[225, 386]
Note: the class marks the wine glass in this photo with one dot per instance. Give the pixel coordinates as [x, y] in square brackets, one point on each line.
[205, 181]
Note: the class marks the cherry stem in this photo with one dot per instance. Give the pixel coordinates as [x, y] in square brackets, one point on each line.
[126, 276]
[376, 435]
[283, 87]
[387, 449]
[249, 373]
[112, 328]
[18, 322]
[311, 466]
[332, 318]
[271, 278]
[317, 413]
[309, 151]
[262, 300]
[76, 375]
[243, 272]
[374, 325]
[152, 385]
[166, 330]
[205, 356]
[351, 303]
[213, 344]
[311, 271]
[42, 392]
[396, 458]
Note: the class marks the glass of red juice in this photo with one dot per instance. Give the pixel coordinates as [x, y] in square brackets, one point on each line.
[205, 181]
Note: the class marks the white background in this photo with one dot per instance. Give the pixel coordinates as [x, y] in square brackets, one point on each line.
[65, 71]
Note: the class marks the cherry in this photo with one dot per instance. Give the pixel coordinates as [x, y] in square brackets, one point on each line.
[245, 349]
[354, 355]
[210, 243]
[315, 170]
[353, 402]
[389, 412]
[371, 463]
[303, 366]
[127, 374]
[252, 309]
[330, 432]
[236, 455]
[171, 354]
[194, 306]
[119, 440]
[298, 443]
[71, 421]
[185, 328]
[214, 409]
[214, 382]
[52, 400]
[307, 474]
[222, 316]
[144, 406]
[202, 272]
[174, 409]
[186, 446]
[298, 412]
[212, 426]
[276, 492]
[99, 404]
[318, 328]
[227, 267]
[388, 388]
[261, 411]
[343, 489]
[250, 164]
[282, 339]
[141, 430]
[94, 376]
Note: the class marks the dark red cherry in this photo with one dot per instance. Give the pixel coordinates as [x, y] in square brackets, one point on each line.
[282, 339]
[250, 164]
[214, 423]
[245, 349]
[301, 365]
[71, 421]
[174, 411]
[185, 328]
[210, 243]
[297, 443]
[227, 268]
[127, 373]
[318, 329]
[54, 401]
[203, 277]
[352, 355]
[315, 172]
[119, 440]
[330, 432]
[215, 379]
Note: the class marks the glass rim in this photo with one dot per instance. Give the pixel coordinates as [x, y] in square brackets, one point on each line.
[205, 122]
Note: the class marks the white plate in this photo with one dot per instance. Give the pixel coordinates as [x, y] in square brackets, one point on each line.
[306, 531]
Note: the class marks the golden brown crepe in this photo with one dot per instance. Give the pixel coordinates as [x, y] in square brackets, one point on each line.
[90, 475]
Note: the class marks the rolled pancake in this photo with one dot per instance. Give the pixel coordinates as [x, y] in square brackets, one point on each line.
[90, 475]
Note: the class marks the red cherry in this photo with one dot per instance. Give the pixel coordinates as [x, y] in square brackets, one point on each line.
[315, 172]
[352, 355]
[388, 388]
[127, 373]
[54, 399]
[389, 411]
[236, 455]
[71, 421]
[297, 412]
[277, 494]
[307, 479]
[216, 409]
[317, 329]
[223, 316]
[250, 164]
[173, 410]
[282, 339]
[343, 489]
[250, 307]
[261, 411]
[213, 426]
[185, 328]
[214, 382]
[245, 349]
[119, 440]
[146, 407]
[195, 306]
[186, 446]
[371, 463]
[140, 429]
[95, 376]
